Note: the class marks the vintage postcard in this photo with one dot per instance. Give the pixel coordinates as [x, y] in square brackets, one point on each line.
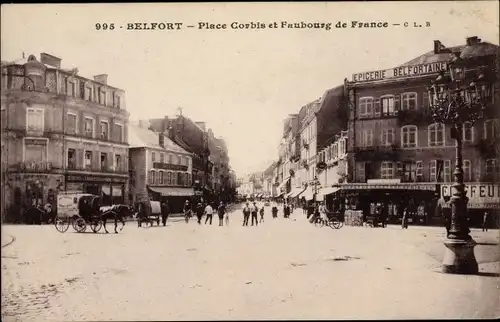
[250, 161]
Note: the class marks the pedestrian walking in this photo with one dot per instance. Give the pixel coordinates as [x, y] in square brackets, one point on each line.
[165, 212]
[485, 221]
[246, 214]
[199, 212]
[404, 221]
[209, 212]
[261, 214]
[221, 211]
[187, 211]
[274, 211]
[253, 211]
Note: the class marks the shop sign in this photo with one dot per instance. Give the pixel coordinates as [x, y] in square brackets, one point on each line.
[35, 166]
[481, 195]
[77, 178]
[169, 166]
[400, 72]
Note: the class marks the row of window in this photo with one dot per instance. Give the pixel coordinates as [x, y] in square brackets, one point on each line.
[336, 150]
[389, 104]
[171, 158]
[106, 161]
[435, 134]
[439, 170]
[35, 122]
[169, 178]
[87, 92]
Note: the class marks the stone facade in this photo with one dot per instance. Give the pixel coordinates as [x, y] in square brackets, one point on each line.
[60, 131]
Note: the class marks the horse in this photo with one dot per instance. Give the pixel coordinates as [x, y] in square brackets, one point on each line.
[116, 212]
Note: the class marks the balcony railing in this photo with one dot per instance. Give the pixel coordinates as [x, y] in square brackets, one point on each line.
[376, 153]
[414, 117]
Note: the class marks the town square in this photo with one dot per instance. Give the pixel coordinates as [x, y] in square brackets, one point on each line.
[222, 166]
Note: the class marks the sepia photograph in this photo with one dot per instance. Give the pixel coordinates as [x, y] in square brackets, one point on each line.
[250, 161]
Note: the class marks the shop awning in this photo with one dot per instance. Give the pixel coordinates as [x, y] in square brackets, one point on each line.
[280, 195]
[326, 191]
[308, 194]
[173, 192]
[296, 192]
[422, 186]
[284, 183]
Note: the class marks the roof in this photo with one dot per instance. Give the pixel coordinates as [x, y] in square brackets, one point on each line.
[139, 137]
[477, 50]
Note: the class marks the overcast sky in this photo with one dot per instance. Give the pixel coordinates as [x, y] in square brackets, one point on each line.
[241, 82]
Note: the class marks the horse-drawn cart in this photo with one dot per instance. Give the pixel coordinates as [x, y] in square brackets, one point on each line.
[148, 212]
[79, 210]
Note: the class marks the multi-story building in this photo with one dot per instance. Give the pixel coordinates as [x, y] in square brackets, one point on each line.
[60, 131]
[268, 181]
[192, 137]
[331, 119]
[308, 131]
[289, 153]
[159, 168]
[398, 153]
[220, 170]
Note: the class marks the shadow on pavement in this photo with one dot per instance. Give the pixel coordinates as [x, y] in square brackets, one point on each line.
[488, 274]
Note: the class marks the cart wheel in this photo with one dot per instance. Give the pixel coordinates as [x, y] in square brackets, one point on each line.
[369, 223]
[96, 225]
[336, 223]
[80, 225]
[61, 224]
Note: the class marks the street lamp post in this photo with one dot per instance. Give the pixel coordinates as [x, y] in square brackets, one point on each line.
[455, 102]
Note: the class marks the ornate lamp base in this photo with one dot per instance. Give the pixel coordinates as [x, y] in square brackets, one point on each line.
[459, 257]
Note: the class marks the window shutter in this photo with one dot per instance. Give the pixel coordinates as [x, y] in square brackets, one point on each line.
[399, 166]
[425, 101]
[81, 120]
[110, 161]
[96, 156]
[376, 107]
[82, 90]
[397, 103]
[79, 159]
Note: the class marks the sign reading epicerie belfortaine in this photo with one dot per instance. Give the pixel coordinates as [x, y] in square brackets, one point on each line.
[481, 195]
[397, 72]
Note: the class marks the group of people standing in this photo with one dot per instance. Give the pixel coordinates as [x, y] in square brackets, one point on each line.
[205, 209]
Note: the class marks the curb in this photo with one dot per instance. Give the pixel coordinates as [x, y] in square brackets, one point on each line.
[13, 239]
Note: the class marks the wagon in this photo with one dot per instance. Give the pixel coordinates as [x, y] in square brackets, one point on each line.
[78, 210]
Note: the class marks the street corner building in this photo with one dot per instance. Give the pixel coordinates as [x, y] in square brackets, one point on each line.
[159, 168]
[399, 155]
[60, 132]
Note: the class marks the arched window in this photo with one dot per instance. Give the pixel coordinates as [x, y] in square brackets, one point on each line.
[491, 129]
[436, 134]
[409, 136]
[468, 132]
[169, 178]
[174, 179]
[161, 178]
[152, 177]
[180, 179]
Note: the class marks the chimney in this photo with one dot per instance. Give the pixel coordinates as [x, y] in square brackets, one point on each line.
[165, 124]
[51, 60]
[472, 41]
[437, 46]
[161, 140]
[102, 78]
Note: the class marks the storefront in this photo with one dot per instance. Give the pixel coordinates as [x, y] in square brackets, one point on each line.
[327, 195]
[29, 184]
[112, 189]
[482, 197]
[175, 196]
[419, 198]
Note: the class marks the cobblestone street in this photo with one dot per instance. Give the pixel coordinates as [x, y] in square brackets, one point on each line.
[282, 269]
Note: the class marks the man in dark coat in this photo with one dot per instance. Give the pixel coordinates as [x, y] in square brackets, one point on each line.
[199, 211]
[165, 212]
